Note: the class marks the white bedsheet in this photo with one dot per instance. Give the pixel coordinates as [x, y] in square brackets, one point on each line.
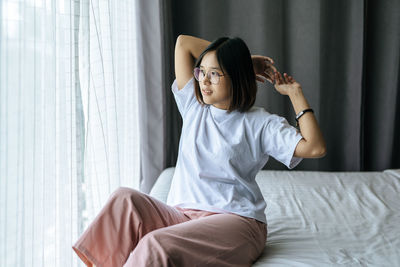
[329, 219]
[326, 218]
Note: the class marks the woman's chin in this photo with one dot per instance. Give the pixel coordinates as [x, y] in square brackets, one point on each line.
[206, 101]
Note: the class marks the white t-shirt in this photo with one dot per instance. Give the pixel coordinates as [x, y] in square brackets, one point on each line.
[221, 153]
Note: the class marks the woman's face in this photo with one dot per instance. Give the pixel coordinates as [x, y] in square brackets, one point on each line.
[217, 95]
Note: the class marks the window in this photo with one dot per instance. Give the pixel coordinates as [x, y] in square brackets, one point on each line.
[68, 122]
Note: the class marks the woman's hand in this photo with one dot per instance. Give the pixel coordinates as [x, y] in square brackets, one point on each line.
[287, 84]
[263, 68]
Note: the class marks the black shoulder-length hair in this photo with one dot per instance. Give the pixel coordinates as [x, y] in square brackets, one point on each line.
[234, 58]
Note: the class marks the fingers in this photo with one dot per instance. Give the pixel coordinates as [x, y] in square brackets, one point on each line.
[269, 71]
[289, 78]
[265, 58]
[283, 80]
[269, 68]
[278, 78]
[268, 59]
[268, 75]
[262, 78]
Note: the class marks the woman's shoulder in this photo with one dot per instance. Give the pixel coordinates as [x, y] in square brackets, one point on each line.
[258, 115]
[255, 113]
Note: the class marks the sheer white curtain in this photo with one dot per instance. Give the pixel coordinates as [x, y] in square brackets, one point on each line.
[108, 70]
[68, 122]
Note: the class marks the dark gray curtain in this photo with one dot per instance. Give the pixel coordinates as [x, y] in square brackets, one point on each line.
[151, 93]
[344, 53]
[172, 116]
[381, 91]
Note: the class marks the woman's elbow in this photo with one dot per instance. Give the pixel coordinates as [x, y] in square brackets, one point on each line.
[180, 40]
[319, 152]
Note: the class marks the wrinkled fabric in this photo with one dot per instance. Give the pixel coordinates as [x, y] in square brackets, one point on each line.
[331, 218]
[134, 229]
[220, 154]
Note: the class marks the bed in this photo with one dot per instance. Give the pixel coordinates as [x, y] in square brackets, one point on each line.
[326, 218]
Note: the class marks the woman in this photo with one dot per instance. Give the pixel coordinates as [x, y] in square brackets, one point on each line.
[214, 214]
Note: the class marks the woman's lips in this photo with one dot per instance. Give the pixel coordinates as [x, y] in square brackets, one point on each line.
[206, 92]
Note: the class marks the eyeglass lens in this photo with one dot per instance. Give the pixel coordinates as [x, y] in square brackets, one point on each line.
[212, 75]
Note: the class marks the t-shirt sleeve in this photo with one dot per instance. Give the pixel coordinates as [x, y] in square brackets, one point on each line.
[185, 97]
[279, 140]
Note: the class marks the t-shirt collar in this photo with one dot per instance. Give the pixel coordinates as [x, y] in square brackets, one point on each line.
[220, 114]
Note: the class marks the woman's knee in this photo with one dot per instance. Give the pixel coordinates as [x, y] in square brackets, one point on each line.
[130, 201]
[124, 192]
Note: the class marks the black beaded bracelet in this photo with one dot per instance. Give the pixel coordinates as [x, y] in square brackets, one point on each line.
[301, 113]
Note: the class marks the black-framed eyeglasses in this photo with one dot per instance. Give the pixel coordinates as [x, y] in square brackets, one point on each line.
[212, 75]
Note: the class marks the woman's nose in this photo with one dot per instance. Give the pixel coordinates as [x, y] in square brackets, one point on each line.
[206, 80]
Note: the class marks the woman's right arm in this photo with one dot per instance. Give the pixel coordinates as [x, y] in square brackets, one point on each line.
[187, 50]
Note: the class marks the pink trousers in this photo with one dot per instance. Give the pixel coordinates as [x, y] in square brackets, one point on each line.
[134, 229]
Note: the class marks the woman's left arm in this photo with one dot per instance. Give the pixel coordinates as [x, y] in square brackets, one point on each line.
[313, 144]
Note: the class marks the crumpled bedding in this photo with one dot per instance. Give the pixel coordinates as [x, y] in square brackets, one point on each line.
[331, 218]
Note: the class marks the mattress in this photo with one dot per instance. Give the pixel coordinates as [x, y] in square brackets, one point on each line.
[326, 218]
